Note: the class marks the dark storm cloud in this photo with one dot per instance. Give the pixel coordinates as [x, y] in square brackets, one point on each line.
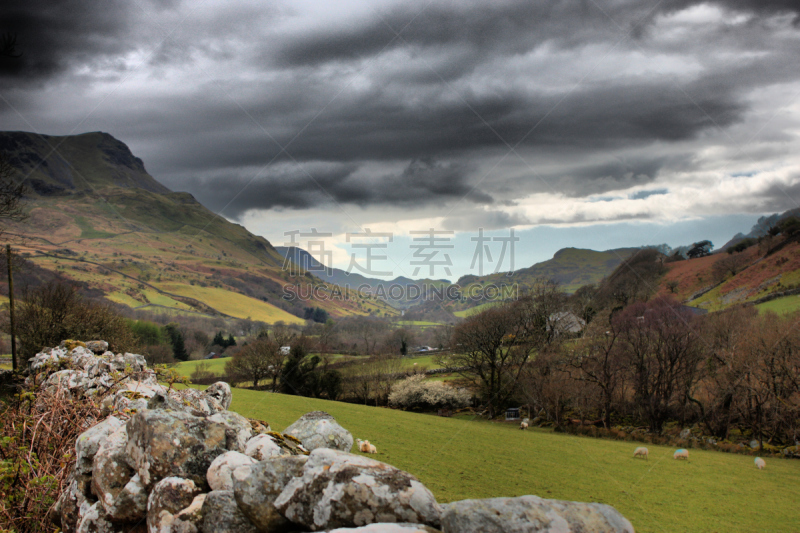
[501, 27]
[289, 186]
[466, 80]
[52, 35]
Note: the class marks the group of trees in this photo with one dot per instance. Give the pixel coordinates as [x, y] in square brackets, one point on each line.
[294, 373]
[656, 361]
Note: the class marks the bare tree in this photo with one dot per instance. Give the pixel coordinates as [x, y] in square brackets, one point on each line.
[495, 345]
[662, 354]
[261, 359]
[597, 360]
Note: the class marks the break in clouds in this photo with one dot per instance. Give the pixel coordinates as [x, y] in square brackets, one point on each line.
[473, 113]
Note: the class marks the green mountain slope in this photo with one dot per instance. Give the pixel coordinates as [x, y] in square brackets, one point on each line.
[98, 217]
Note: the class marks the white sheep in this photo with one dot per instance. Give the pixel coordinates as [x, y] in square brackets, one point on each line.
[681, 454]
[760, 463]
[365, 447]
[523, 425]
[641, 450]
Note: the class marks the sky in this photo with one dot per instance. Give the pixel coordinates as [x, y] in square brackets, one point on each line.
[586, 123]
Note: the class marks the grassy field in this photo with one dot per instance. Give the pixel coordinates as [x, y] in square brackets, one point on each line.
[458, 458]
[781, 306]
[234, 304]
[475, 310]
[217, 366]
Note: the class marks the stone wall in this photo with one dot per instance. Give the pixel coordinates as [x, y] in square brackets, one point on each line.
[167, 461]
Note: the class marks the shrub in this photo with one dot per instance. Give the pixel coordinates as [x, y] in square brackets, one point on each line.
[56, 311]
[202, 372]
[416, 393]
[37, 445]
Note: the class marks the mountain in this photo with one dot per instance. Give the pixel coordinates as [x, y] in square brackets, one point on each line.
[73, 164]
[761, 227]
[98, 217]
[412, 293]
[762, 272]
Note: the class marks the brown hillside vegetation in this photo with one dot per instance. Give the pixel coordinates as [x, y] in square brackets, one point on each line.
[734, 278]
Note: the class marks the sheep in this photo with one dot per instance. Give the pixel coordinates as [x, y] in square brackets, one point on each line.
[365, 447]
[681, 454]
[641, 450]
[760, 463]
[523, 425]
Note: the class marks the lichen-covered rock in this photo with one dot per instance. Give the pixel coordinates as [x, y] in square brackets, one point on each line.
[256, 487]
[65, 382]
[340, 489]
[168, 497]
[263, 447]
[387, 528]
[82, 359]
[117, 486]
[89, 441]
[67, 509]
[165, 443]
[50, 357]
[318, 429]
[219, 473]
[237, 429]
[95, 521]
[288, 444]
[188, 519]
[98, 347]
[531, 513]
[220, 514]
[221, 393]
[134, 361]
[133, 395]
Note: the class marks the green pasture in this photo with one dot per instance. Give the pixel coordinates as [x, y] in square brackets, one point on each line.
[464, 458]
[781, 306]
[217, 366]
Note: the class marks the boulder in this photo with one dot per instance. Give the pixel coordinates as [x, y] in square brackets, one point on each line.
[263, 447]
[46, 358]
[64, 382]
[220, 514]
[89, 441]
[168, 497]
[237, 429]
[164, 443]
[221, 393]
[219, 473]
[134, 361]
[531, 513]
[686, 433]
[115, 483]
[318, 429]
[66, 512]
[340, 489]
[256, 487]
[188, 520]
[94, 521]
[97, 347]
[387, 528]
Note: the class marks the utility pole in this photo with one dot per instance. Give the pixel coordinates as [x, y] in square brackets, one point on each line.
[11, 310]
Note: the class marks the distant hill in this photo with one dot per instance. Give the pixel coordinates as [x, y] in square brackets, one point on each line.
[381, 289]
[761, 227]
[98, 217]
